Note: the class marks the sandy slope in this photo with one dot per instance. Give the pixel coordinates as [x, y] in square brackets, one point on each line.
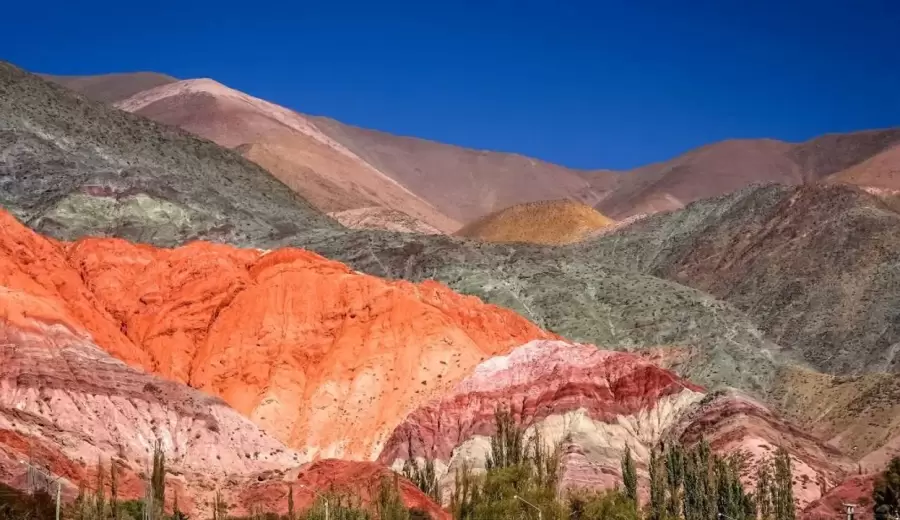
[550, 222]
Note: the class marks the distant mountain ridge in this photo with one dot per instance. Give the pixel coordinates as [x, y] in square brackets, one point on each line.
[109, 88]
[452, 186]
[339, 167]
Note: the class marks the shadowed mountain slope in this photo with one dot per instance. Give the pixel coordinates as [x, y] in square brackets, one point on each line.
[109, 88]
[881, 171]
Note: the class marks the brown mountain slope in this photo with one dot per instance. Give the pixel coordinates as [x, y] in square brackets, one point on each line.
[287, 144]
[110, 88]
[455, 185]
[546, 222]
[859, 415]
[708, 171]
[879, 171]
[464, 184]
[727, 166]
[831, 153]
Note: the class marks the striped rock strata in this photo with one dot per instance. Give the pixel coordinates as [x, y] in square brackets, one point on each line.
[65, 404]
[325, 359]
[595, 403]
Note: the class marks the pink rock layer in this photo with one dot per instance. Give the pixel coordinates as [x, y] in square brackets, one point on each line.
[66, 404]
[594, 403]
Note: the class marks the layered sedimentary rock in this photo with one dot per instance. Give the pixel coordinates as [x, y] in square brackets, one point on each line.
[65, 404]
[594, 403]
[324, 358]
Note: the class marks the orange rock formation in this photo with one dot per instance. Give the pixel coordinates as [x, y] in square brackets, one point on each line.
[326, 359]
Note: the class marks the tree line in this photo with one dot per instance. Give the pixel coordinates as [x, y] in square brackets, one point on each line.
[521, 481]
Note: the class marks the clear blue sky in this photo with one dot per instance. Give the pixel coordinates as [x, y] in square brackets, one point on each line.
[587, 84]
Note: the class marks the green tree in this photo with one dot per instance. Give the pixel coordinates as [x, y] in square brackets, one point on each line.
[605, 505]
[19, 505]
[629, 476]
[220, 508]
[131, 509]
[99, 511]
[425, 477]
[177, 514]
[783, 487]
[113, 490]
[389, 505]
[674, 480]
[693, 498]
[886, 494]
[657, 470]
[519, 477]
[158, 483]
[339, 507]
[507, 443]
[764, 491]
[466, 493]
[729, 492]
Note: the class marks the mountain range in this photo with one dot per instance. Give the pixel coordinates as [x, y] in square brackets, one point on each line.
[284, 298]
[447, 186]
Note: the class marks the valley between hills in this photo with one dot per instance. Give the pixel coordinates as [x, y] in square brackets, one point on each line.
[286, 305]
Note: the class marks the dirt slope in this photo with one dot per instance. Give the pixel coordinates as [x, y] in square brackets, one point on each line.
[545, 222]
[881, 171]
[287, 144]
[708, 171]
[464, 184]
[832, 153]
[109, 88]
[724, 167]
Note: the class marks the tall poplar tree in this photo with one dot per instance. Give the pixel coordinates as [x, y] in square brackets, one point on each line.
[629, 476]
[783, 487]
